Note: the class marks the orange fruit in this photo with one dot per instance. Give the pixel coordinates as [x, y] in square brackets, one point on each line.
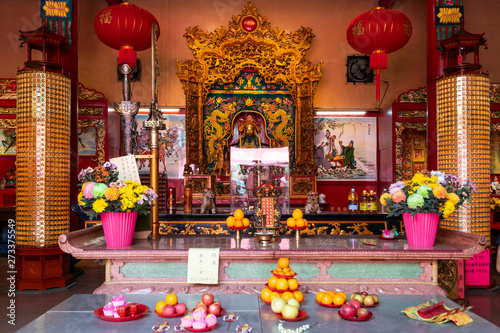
[297, 294]
[230, 221]
[319, 296]
[287, 295]
[293, 284]
[273, 295]
[286, 269]
[246, 222]
[265, 294]
[292, 272]
[159, 306]
[283, 262]
[305, 223]
[300, 223]
[331, 293]
[297, 214]
[271, 283]
[290, 222]
[282, 284]
[279, 270]
[238, 214]
[338, 299]
[327, 299]
[171, 299]
[238, 223]
[343, 295]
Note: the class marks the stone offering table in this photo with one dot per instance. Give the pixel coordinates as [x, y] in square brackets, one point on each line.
[333, 262]
[76, 314]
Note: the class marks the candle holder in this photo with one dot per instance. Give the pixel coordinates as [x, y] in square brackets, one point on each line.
[238, 232]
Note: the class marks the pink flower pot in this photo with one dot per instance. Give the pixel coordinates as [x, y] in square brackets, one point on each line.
[119, 228]
[421, 229]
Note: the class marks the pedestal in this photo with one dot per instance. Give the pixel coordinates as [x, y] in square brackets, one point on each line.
[42, 268]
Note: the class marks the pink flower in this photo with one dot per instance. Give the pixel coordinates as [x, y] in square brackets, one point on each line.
[398, 197]
[87, 190]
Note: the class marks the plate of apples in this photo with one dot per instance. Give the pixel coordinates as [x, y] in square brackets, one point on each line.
[366, 300]
[210, 306]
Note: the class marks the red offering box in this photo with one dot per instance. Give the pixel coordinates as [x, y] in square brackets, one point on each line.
[8, 197]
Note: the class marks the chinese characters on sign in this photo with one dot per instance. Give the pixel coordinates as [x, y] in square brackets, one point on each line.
[203, 266]
[127, 168]
[477, 269]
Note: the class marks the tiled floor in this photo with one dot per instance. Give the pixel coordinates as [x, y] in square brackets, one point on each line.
[30, 304]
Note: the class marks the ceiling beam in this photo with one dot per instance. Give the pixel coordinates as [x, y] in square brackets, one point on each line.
[386, 3]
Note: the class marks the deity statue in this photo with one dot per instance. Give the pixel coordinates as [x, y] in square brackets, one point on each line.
[495, 185]
[249, 133]
[11, 178]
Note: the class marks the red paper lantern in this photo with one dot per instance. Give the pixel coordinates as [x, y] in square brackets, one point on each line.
[127, 28]
[378, 32]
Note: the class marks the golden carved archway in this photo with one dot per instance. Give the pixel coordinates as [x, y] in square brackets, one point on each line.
[250, 42]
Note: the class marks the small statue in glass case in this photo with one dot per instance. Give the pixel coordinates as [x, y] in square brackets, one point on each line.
[495, 186]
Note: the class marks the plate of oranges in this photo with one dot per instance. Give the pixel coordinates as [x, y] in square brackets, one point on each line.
[330, 299]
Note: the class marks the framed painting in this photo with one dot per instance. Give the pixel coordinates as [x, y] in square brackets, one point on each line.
[87, 140]
[7, 136]
[345, 148]
[172, 144]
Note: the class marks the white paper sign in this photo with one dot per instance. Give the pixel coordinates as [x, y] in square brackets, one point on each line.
[203, 266]
[127, 168]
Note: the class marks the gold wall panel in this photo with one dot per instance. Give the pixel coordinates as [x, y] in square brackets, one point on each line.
[463, 125]
[43, 157]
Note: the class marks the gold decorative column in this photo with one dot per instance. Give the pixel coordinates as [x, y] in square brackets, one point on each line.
[463, 125]
[43, 157]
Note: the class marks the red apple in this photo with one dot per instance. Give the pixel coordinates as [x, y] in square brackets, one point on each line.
[355, 303]
[362, 313]
[202, 306]
[207, 299]
[168, 310]
[348, 310]
[369, 301]
[214, 308]
[364, 294]
[180, 308]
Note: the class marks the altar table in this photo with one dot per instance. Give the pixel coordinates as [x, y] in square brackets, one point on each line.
[76, 314]
[330, 262]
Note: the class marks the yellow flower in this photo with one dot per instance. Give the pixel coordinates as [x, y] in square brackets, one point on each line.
[448, 208]
[100, 205]
[249, 102]
[80, 196]
[383, 197]
[453, 197]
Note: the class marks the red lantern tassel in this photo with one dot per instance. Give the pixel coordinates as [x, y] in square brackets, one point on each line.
[378, 61]
[128, 56]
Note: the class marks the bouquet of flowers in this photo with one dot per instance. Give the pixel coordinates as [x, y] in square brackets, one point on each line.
[427, 192]
[495, 204]
[101, 191]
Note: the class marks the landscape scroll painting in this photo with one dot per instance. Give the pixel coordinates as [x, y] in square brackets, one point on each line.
[345, 148]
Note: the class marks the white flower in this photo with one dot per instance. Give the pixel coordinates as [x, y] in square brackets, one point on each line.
[439, 175]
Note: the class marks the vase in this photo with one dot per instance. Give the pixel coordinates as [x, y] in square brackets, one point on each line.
[421, 229]
[119, 228]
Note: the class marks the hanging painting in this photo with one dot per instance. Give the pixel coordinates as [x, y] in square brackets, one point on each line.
[172, 145]
[345, 148]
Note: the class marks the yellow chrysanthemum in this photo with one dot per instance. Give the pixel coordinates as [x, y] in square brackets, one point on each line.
[80, 196]
[453, 197]
[448, 208]
[100, 205]
[383, 197]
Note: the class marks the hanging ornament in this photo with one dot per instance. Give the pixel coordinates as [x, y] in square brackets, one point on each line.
[127, 28]
[378, 32]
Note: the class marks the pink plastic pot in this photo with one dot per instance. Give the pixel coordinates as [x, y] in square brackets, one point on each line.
[421, 229]
[119, 228]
